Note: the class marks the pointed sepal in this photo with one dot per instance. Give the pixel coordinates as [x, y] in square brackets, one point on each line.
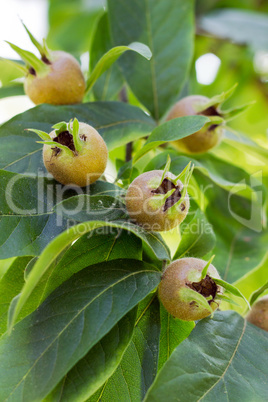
[31, 60]
[205, 269]
[231, 289]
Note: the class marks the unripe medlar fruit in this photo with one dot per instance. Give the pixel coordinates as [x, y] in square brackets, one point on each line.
[62, 83]
[259, 313]
[56, 78]
[182, 286]
[75, 154]
[157, 200]
[209, 136]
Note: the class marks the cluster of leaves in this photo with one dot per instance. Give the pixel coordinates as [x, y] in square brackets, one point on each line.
[79, 314]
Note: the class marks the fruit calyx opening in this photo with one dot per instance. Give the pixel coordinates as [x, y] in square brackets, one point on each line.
[164, 188]
[65, 138]
[210, 111]
[32, 71]
[206, 287]
[45, 59]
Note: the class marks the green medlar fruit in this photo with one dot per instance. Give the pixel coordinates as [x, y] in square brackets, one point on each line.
[186, 293]
[56, 78]
[75, 154]
[259, 313]
[158, 200]
[209, 136]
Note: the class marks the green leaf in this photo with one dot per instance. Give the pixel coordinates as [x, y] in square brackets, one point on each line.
[167, 28]
[5, 265]
[30, 218]
[10, 285]
[171, 130]
[60, 243]
[231, 289]
[109, 83]
[173, 332]
[11, 70]
[255, 295]
[118, 123]
[79, 18]
[240, 26]
[84, 207]
[111, 56]
[104, 244]
[225, 356]
[14, 89]
[138, 367]
[98, 365]
[197, 237]
[68, 324]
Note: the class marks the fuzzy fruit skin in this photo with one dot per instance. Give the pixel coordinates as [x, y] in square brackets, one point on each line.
[63, 85]
[174, 279]
[202, 140]
[82, 169]
[138, 205]
[259, 313]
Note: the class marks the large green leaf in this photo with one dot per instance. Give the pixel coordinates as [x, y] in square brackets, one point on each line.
[75, 16]
[241, 243]
[117, 122]
[173, 332]
[167, 28]
[103, 244]
[110, 57]
[30, 217]
[110, 83]
[239, 26]
[98, 365]
[9, 71]
[197, 237]
[15, 89]
[68, 324]
[10, 285]
[171, 130]
[64, 240]
[138, 367]
[223, 359]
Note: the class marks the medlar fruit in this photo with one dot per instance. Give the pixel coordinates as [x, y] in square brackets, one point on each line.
[157, 200]
[185, 294]
[62, 83]
[259, 313]
[75, 154]
[56, 78]
[209, 136]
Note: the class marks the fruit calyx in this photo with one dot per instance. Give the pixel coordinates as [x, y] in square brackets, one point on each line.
[67, 138]
[206, 287]
[34, 65]
[172, 198]
[171, 192]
